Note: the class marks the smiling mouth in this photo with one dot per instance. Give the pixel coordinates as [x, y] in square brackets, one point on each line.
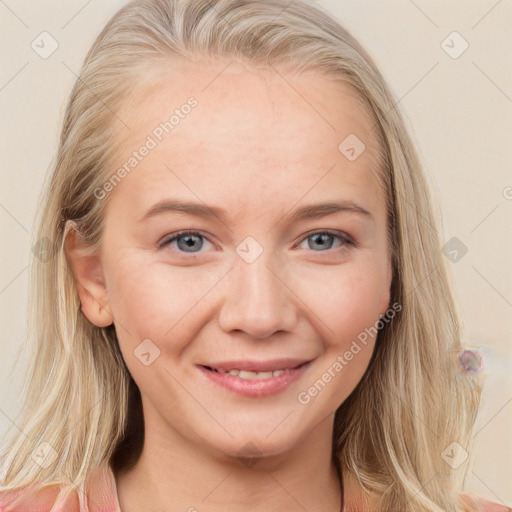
[255, 379]
[253, 374]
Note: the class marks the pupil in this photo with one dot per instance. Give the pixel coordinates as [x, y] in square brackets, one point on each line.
[322, 244]
[190, 241]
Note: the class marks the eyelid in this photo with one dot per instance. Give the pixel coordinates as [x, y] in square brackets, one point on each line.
[171, 237]
[347, 239]
[333, 232]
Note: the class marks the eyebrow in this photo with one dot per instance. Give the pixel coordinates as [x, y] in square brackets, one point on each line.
[312, 211]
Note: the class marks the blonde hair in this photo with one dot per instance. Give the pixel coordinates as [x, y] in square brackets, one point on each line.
[413, 400]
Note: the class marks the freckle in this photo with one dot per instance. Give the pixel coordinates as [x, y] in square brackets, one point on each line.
[471, 361]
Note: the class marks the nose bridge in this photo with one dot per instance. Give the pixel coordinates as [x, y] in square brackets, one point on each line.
[257, 300]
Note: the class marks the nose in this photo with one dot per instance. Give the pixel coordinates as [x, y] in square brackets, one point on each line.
[257, 300]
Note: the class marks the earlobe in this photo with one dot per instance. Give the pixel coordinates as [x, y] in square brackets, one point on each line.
[85, 263]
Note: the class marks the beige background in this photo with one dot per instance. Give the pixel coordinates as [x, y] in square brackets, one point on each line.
[459, 113]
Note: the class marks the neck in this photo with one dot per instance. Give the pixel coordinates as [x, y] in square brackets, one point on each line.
[176, 473]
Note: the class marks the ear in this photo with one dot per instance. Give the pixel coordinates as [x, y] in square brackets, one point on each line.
[85, 263]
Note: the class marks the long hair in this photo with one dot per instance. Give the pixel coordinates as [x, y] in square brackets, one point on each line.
[82, 409]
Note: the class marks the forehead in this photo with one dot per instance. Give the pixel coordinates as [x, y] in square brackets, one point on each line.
[251, 132]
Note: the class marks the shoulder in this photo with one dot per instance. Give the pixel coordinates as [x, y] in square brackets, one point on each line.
[473, 503]
[39, 499]
[97, 494]
[356, 500]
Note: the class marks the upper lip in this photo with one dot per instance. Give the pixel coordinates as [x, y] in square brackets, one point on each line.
[258, 366]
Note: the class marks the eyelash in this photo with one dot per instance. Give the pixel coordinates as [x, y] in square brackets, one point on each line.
[346, 240]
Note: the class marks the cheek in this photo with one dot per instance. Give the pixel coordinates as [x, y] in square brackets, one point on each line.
[157, 301]
[348, 301]
[153, 302]
[349, 311]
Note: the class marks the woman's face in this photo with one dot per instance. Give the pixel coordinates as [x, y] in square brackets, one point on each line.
[258, 287]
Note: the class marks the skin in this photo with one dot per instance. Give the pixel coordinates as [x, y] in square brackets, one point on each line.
[259, 145]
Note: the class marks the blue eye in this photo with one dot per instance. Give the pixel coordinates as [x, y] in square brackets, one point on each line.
[192, 242]
[187, 241]
[324, 240]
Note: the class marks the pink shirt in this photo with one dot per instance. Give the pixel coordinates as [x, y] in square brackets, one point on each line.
[99, 494]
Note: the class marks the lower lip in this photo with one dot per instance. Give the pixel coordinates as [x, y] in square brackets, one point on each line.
[256, 387]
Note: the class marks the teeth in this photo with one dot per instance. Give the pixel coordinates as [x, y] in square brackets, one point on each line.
[248, 375]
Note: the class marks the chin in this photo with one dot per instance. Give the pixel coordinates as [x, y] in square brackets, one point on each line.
[254, 444]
